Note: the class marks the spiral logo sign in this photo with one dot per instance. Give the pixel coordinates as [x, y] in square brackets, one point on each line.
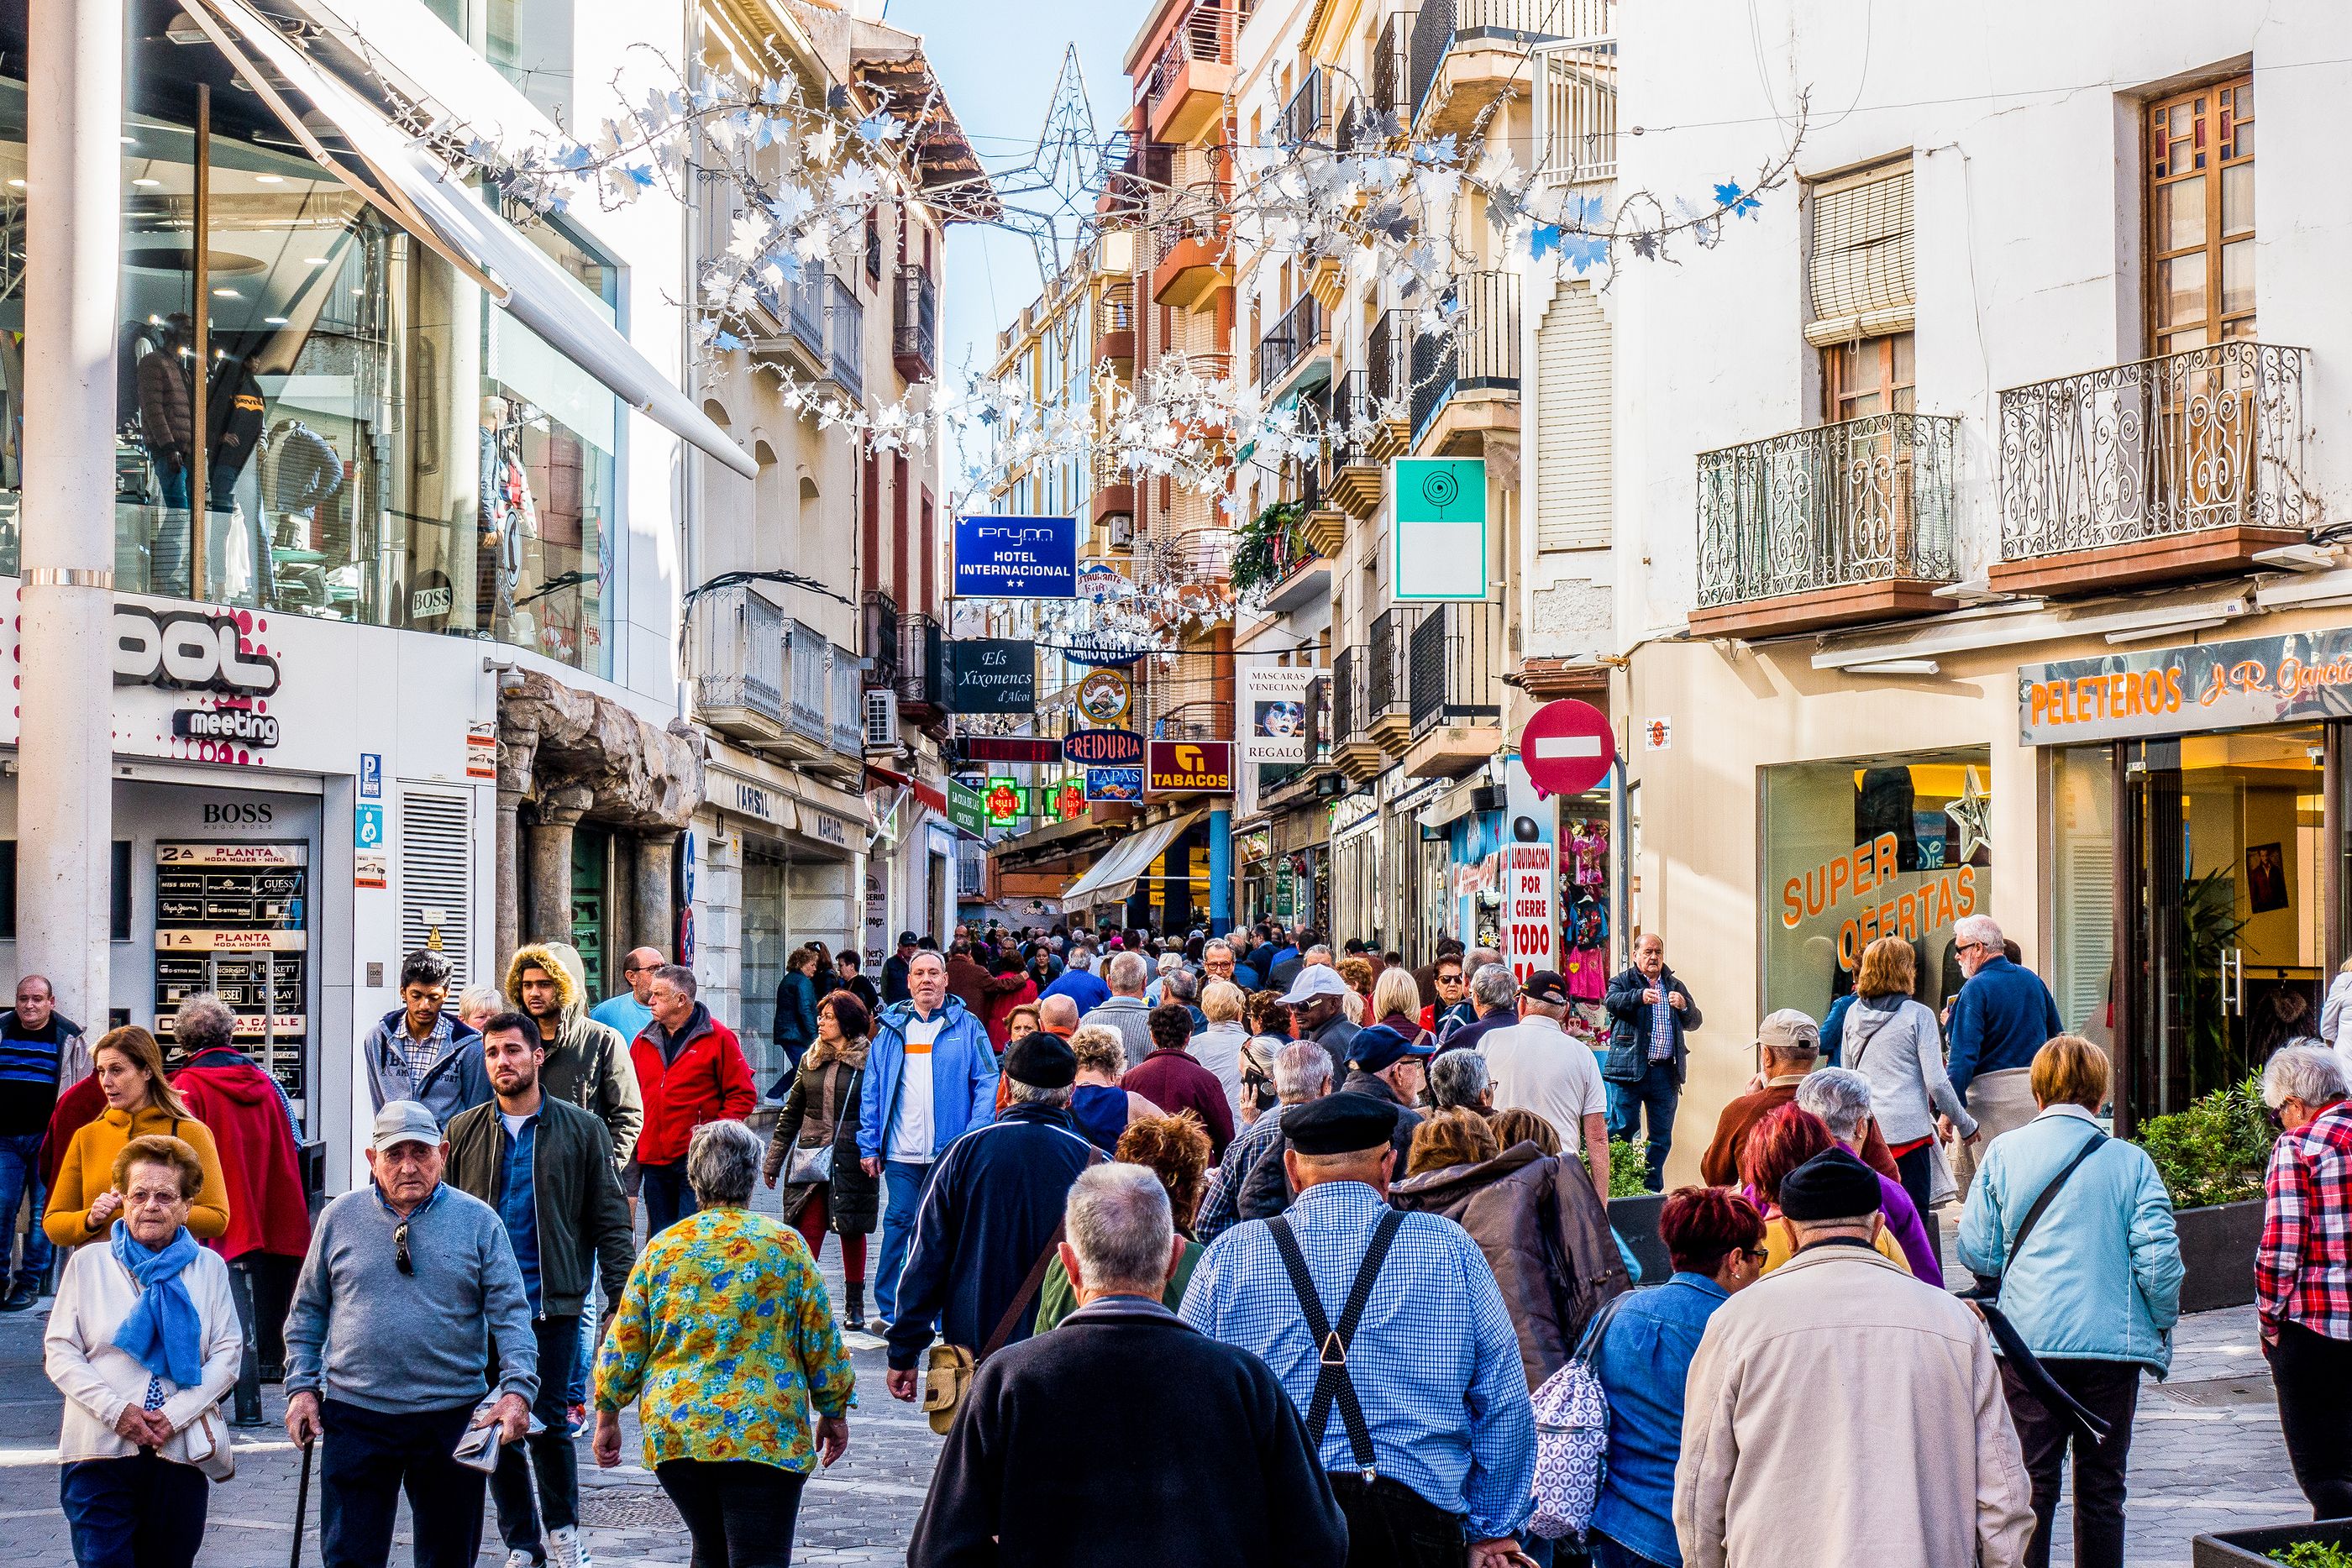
[1440, 528]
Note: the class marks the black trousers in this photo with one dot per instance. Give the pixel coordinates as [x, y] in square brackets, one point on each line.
[1916, 1172]
[368, 1459]
[2312, 1372]
[2108, 1389]
[552, 1457]
[1389, 1525]
[740, 1513]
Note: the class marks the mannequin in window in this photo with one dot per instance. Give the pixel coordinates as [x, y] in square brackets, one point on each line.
[509, 516]
[167, 424]
[233, 411]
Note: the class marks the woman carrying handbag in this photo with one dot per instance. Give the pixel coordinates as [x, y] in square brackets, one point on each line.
[145, 1343]
[813, 1149]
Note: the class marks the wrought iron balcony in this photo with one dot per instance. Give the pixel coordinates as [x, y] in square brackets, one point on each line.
[879, 636]
[1479, 353]
[1387, 691]
[739, 669]
[1349, 721]
[1291, 341]
[1457, 666]
[807, 308]
[2132, 458]
[1444, 26]
[1865, 501]
[1393, 66]
[1187, 83]
[914, 326]
[922, 663]
[844, 339]
[1307, 118]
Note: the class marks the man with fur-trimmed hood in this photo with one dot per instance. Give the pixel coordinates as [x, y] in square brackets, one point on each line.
[587, 1062]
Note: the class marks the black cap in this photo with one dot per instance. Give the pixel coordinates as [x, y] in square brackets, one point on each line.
[1041, 1061]
[1547, 986]
[1379, 1046]
[1830, 1186]
[905, 938]
[1339, 1125]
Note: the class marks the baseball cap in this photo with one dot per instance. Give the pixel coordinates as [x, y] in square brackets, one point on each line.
[405, 1121]
[1379, 1046]
[1315, 980]
[1548, 986]
[1788, 1030]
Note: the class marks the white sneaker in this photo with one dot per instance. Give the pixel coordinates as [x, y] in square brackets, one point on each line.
[519, 1558]
[565, 1549]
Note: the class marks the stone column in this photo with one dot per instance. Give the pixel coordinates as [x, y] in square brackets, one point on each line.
[653, 920]
[549, 873]
[509, 878]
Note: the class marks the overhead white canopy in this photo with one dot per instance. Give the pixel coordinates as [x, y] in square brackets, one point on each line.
[450, 219]
[1112, 879]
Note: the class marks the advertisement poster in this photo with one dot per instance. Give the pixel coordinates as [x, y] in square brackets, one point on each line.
[1016, 557]
[1274, 713]
[1528, 866]
[1120, 784]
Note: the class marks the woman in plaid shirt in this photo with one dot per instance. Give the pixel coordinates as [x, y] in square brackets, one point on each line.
[2303, 1272]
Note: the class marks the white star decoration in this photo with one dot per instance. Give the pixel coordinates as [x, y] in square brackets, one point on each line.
[1967, 814]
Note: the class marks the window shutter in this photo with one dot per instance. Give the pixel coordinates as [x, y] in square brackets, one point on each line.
[1861, 275]
[1573, 489]
[2087, 876]
[437, 874]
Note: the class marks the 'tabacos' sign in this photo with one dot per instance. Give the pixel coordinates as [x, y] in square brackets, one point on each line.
[1016, 557]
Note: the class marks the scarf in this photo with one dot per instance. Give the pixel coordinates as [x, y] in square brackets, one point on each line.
[163, 1332]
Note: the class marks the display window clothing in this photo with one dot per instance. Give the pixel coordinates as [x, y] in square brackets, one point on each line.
[1588, 854]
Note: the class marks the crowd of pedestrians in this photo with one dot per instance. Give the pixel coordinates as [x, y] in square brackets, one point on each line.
[1204, 1196]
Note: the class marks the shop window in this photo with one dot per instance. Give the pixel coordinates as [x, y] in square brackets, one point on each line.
[2083, 890]
[118, 918]
[2200, 216]
[1854, 851]
[529, 42]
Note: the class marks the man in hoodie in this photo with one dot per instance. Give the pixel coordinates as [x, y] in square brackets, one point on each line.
[930, 1077]
[41, 1052]
[269, 1212]
[418, 1052]
[691, 1070]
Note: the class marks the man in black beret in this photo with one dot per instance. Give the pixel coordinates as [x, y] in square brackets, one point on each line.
[1839, 1378]
[992, 1217]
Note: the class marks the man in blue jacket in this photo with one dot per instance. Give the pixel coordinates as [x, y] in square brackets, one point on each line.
[2003, 1015]
[930, 1077]
[992, 1210]
[1079, 982]
[418, 1052]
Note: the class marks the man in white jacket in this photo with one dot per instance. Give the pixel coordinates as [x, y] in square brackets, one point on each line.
[1841, 1380]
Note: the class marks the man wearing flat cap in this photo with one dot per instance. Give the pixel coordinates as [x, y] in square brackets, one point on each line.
[1387, 1331]
[1840, 1379]
[1789, 1043]
[991, 1217]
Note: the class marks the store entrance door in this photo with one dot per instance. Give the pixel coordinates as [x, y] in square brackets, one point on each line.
[2228, 928]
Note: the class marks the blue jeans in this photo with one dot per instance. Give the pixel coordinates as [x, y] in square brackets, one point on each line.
[583, 1358]
[1608, 1554]
[667, 1197]
[20, 1173]
[906, 1182]
[1657, 1092]
[143, 1511]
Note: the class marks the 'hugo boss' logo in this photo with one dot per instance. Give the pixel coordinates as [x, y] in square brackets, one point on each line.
[190, 650]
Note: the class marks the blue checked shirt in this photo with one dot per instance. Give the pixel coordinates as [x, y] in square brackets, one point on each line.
[1222, 1208]
[1435, 1362]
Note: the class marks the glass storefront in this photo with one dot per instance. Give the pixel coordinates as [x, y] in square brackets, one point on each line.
[378, 441]
[1880, 847]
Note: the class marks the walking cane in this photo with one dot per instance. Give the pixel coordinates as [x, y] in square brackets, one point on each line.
[302, 1508]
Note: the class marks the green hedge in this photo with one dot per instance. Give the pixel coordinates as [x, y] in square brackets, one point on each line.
[2216, 1150]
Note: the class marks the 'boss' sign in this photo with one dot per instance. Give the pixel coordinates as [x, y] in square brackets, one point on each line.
[187, 650]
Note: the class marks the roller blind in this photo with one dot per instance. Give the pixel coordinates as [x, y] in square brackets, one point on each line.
[1860, 279]
[1572, 414]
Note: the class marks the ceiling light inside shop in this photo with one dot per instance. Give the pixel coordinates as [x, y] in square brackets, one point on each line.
[273, 320]
[269, 179]
[146, 182]
[314, 261]
[227, 293]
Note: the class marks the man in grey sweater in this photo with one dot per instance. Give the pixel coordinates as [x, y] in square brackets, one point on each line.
[403, 1279]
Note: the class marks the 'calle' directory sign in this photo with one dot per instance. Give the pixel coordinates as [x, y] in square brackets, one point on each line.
[1016, 557]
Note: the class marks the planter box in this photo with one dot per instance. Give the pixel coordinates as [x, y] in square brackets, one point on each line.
[1636, 1219]
[2217, 1252]
[2238, 1548]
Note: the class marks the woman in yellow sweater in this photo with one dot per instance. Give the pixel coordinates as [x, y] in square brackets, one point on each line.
[83, 1204]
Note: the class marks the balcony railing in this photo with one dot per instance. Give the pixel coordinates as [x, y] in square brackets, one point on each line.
[1388, 363]
[1865, 500]
[807, 308]
[914, 323]
[1307, 118]
[1480, 351]
[1457, 666]
[1350, 412]
[849, 708]
[1442, 26]
[1393, 66]
[922, 659]
[846, 338]
[810, 657]
[1349, 721]
[741, 664]
[1205, 34]
[1290, 340]
[2210, 437]
[1386, 689]
[1576, 111]
[878, 635]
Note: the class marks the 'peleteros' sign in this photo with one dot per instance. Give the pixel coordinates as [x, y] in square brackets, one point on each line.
[2180, 691]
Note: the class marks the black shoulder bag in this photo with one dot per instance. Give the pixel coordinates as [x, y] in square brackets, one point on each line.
[1332, 1384]
[1987, 1298]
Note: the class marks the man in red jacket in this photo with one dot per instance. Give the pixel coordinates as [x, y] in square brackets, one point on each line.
[269, 1213]
[691, 1070]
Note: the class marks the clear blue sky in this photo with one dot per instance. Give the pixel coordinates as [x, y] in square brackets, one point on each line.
[998, 63]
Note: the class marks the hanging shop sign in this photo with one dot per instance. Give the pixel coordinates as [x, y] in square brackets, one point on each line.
[1440, 528]
[1058, 801]
[1016, 557]
[1567, 747]
[1003, 800]
[966, 809]
[1104, 747]
[1103, 697]
[1008, 748]
[1528, 866]
[1114, 784]
[2180, 691]
[1274, 713]
[1191, 767]
[191, 651]
[992, 674]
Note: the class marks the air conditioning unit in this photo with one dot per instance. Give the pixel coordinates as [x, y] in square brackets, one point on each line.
[882, 719]
[1121, 527]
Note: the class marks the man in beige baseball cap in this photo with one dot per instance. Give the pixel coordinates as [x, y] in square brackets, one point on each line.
[1790, 1042]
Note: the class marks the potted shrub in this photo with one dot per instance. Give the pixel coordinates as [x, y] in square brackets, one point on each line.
[1633, 1209]
[2325, 1544]
[2211, 1157]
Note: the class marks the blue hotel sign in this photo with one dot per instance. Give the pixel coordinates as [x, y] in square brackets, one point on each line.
[1016, 557]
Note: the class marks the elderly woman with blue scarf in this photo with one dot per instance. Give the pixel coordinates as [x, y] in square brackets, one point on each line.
[145, 1343]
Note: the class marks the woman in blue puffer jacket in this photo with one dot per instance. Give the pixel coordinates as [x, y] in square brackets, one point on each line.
[2094, 1291]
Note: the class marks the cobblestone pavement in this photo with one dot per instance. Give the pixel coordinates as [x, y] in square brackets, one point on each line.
[2206, 1455]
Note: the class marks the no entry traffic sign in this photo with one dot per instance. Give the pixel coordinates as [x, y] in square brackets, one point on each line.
[1567, 747]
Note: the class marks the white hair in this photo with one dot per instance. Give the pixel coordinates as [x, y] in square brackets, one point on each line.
[1978, 928]
[1120, 1224]
[1840, 1096]
[2307, 1072]
[1216, 945]
[1302, 1071]
[1457, 1080]
[1171, 961]
[721, 1162]
[1492, 989]
[1126, 974]
[1082, 959]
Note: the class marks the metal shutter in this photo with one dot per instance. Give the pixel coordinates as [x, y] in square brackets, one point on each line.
[1860, 279]
[437, 872]
[1573, 478]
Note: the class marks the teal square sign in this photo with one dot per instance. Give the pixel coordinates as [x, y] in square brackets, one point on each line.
[1440, 529]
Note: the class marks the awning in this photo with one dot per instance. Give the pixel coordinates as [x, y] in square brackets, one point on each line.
[1455, 802]
[417, 194]
[1112, 879]
[930, 795]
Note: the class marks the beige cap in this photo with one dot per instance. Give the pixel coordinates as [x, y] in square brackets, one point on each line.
[1790, 1032]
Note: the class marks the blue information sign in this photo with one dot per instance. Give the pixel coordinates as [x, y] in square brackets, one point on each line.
[1016, 557]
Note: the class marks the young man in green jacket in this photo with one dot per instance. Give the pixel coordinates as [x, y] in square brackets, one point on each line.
[546, 1167]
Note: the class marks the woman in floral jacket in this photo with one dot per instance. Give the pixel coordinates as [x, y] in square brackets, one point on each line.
[726, 1335]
